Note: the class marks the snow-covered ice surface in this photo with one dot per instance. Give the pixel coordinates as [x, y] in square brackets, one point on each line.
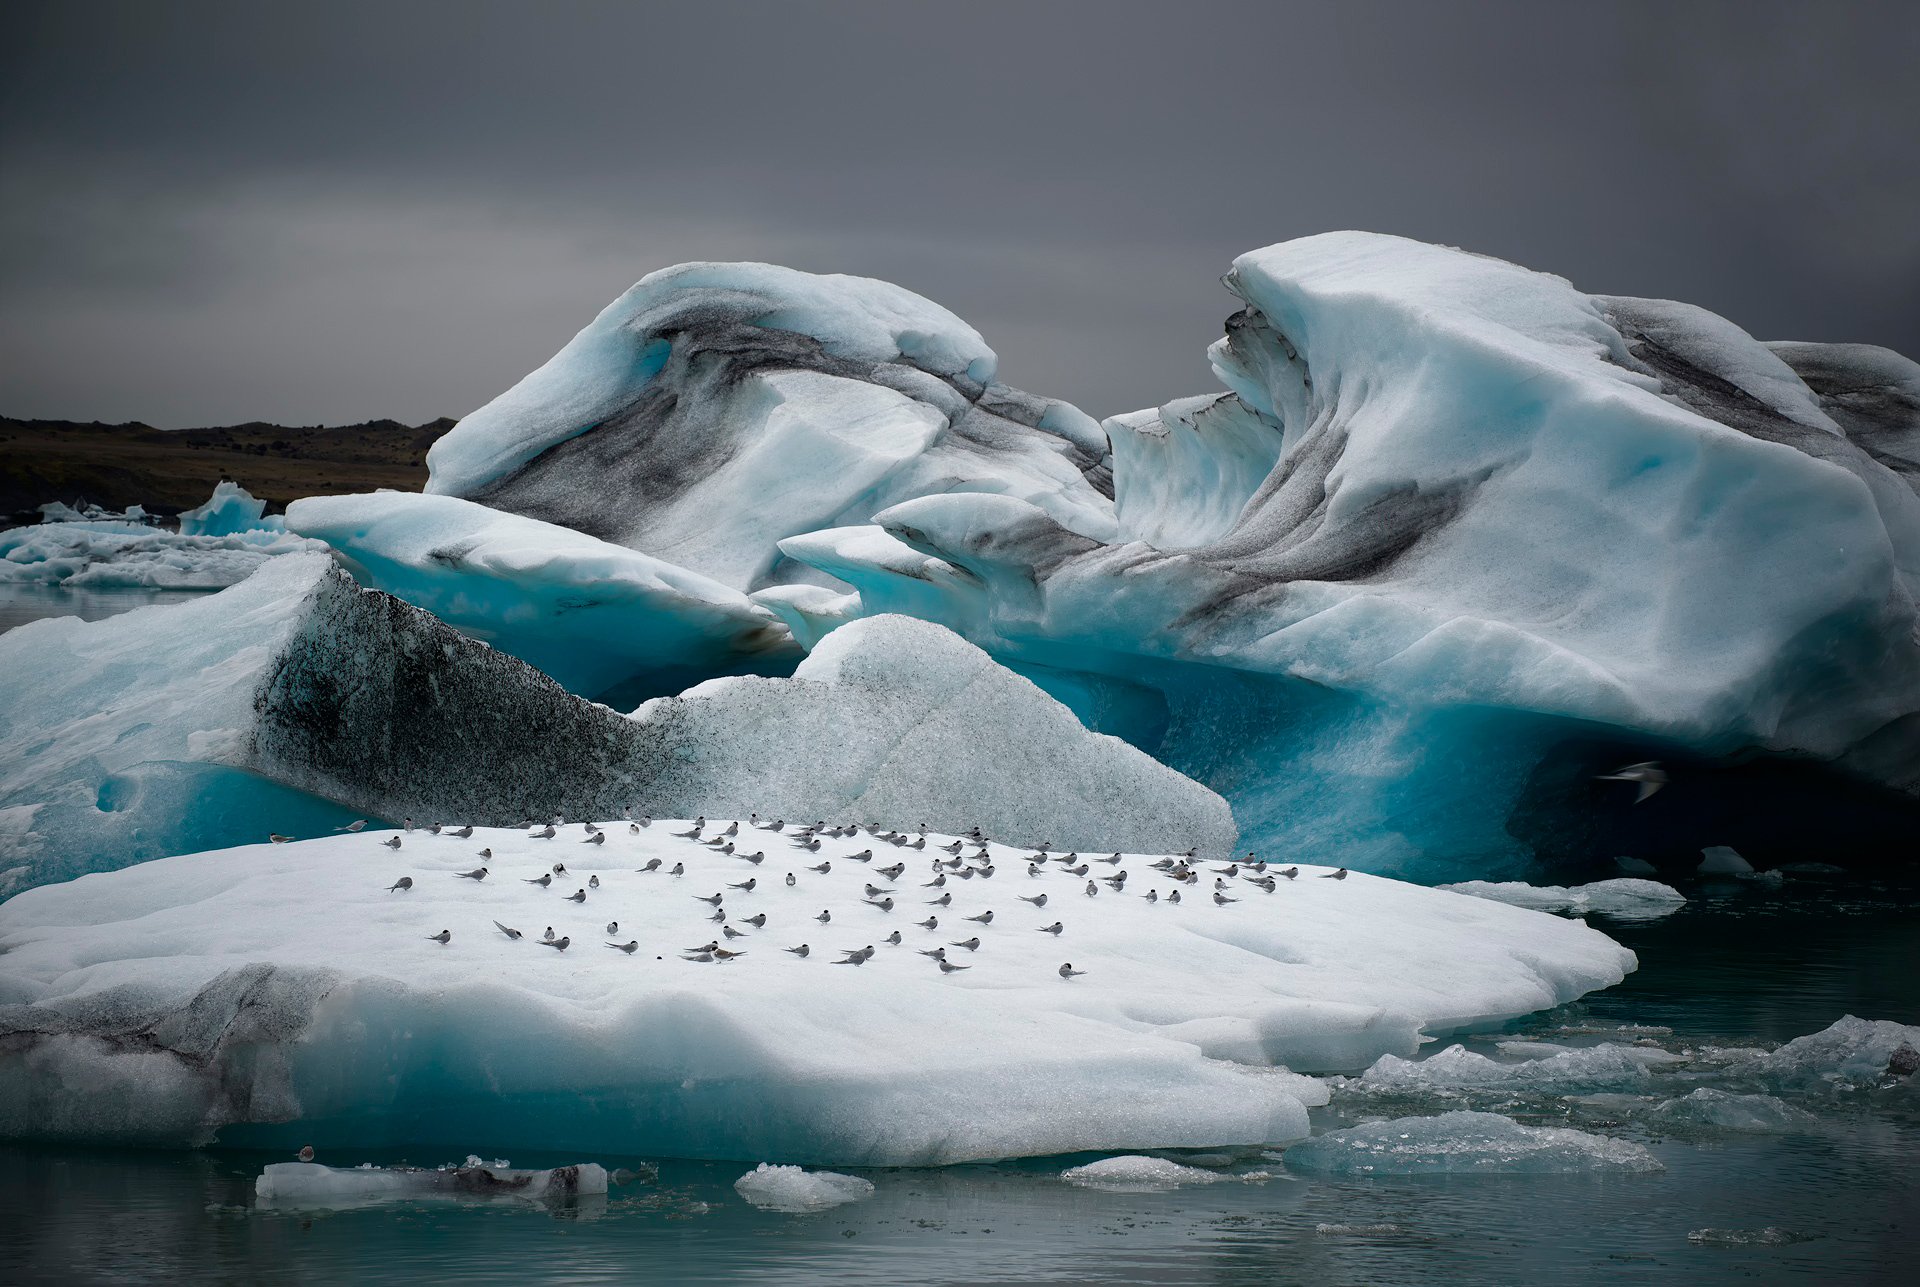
[279, 995]
[1454, 511]
[1622, 899]
[87, 554]
[715, 408]
[792, 1188]
[1465, 1143]
[593, 615]
[230, 510]
[924, 728]
[308, 1184]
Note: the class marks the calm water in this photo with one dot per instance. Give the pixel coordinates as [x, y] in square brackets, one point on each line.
[1740, 965]
[20, 604]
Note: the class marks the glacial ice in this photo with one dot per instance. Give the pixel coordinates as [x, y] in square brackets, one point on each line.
[89, 554]
[1623, 899]
[308, 1184]
[1133, 1173]
[1456, 512]
[1849, 1054]
[277, 995]
[715, 408]
[1465, 1143]
[230, 510]
[1577, 1070]
[1723, 1110]
[593, 615]
[925, 728]
[296, 701]
[790, 1188]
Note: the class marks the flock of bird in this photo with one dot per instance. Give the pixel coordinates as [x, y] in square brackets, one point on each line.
[881, 866]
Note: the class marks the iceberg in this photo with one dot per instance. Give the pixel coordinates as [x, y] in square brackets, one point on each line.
[1623, 898]
[297, 701]
[1465, 1143]
[86, 554]
[714, 409]
[593, 615]
[1451, 511]
[1577, 1070]
[276, 995]
[791, 1188]
[1849, 1054]
[308, 1184]
[1723, 1110]
[230, 510]
[1133, 1173]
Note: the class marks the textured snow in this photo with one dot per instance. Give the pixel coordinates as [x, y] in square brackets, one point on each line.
[1622, 899]
[231, 508]
[924, 729]
[716, 408]
[86, 554]
[278, 995]
[593, 615]
[308, 1184]
[789, 1188]
[1465, 1143]
[1457, 512]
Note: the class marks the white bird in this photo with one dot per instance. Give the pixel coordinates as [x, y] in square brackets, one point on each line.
[802, 950]
[560, 944]
[405, 882]
[478, 873]
[1068, 972]
[275, 838]
[1055, 929]
[507, 930]
[1038, 900]
[597, 838]
[545, 833]
[577, 896]
[391, 842]
[948, 967]
[1649, 774]
[593, 882]
[543, 881]
[653, 864]
[628, 948]
[613, 927]
[355, 825]
[984, 918]
[442, 938]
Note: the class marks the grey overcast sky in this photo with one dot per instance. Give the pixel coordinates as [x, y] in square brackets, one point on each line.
[322, 213]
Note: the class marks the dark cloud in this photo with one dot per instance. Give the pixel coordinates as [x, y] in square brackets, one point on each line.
[220, 212]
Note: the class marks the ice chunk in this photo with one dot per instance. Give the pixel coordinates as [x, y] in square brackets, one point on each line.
[1718, 1108]
[1623, 899]
[1575, 1069]
[925, 728]
[277, 995]
[715, 408]
[230, 509]
[789, 1188]
[595, 616]
[1134, 1173]
[1497, 516]
[308, 1184]
[1849, 1054]
[84, 554]
[1465, 1143]
[1719, 860]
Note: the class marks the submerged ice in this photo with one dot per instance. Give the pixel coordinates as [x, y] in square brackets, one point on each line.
[278, 995]
[1465, 1143]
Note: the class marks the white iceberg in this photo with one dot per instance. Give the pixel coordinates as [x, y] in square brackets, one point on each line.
[308, 1184]
[1465, 1143]
[275, 995]
[790, 1188]
[1849, 1054]
[231, 509]
[1454, 512]
[715, 408]
[1623, 899]
[593, 615]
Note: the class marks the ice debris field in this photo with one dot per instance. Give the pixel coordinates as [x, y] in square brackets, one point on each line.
[953, 1001]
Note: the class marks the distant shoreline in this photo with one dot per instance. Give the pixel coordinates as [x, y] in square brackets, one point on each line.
[168, 470]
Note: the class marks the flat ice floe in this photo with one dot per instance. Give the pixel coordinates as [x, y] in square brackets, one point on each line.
[287, 994]
[1465, 1143]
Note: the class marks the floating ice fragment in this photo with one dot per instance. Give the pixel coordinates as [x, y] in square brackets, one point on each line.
[1134, 1173]
[1465, 1143]
[1623, 899]
[309, 1184]
[1578, 1069]
[789, 1188]
[1718, 1108]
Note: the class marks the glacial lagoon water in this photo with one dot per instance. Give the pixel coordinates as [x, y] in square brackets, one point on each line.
[1741, 965]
